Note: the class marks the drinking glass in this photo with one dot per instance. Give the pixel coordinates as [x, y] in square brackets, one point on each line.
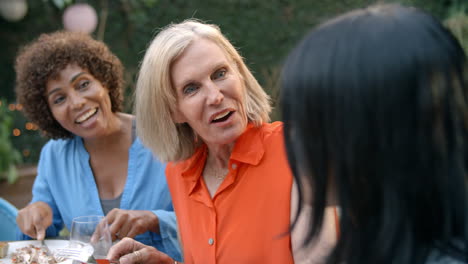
[91, 231]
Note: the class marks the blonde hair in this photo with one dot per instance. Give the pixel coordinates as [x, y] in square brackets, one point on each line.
[155, 98]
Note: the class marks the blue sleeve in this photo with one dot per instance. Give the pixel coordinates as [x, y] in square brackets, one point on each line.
[41, 192]
[168, 231]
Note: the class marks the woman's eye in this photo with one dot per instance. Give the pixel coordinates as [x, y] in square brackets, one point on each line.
[190, 88]
[219, 74]
[58, 99]
[83, 84]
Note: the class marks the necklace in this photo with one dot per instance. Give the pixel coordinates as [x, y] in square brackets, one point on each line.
[218, 173]
[220, 176]
[212, 170]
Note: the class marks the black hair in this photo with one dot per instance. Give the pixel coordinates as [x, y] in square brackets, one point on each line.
[375, 106]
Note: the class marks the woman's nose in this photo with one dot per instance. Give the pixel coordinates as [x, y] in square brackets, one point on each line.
[77, 101]
[215, 95]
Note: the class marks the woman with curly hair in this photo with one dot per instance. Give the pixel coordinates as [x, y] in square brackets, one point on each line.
[70, 85]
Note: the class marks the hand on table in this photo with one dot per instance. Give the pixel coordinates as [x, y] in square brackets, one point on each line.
[34, 219]
[129, 251]
[129, 223]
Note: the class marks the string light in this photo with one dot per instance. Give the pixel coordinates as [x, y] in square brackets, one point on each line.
[21, 129]
[26, 152]
[16, 132]
[29, 126]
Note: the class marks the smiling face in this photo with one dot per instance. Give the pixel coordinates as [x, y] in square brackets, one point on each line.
[210, 93]
[79, 102]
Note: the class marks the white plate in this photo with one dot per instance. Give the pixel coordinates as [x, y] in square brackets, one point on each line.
[52, 244]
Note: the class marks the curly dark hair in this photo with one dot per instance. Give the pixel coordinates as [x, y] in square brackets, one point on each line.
[45, 57]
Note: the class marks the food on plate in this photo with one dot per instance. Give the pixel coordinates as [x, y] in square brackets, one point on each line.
[31, 255]
[3, 249]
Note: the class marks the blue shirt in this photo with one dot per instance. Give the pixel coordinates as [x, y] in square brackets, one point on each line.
[66, 182]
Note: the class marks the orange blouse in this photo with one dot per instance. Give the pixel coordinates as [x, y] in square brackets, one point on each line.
[248, 218]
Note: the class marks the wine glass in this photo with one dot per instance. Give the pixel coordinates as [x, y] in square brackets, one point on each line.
[91, 233]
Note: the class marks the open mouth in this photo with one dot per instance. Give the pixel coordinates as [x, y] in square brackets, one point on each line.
[86, 116]
[222, 117]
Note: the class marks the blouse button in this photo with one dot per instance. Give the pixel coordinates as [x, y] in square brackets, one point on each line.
[234, 166]
[210, 241]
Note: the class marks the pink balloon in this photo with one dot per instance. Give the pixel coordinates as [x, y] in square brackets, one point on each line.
[80, 17]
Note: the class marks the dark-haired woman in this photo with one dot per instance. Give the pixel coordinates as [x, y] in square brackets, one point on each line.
[375, 105]
[70, 85]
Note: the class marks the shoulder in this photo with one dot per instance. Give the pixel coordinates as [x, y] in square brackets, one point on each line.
[195, 161]
[174, 177]
[176, 167]
[272, 128]
[433, 259]
[56, 153]
[143, 152]
[139, 145]
[58, 146]
[438, 256]
[272, 133]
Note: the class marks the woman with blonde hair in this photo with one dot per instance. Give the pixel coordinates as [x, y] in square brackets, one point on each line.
[227, 173]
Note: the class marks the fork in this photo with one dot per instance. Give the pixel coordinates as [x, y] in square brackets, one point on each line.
[46, 250]
[80, 252]
[83, 255]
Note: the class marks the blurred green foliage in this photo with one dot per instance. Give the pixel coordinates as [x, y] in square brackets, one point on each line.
[457, 22]
[9, 156]
[29, 141]
[20, 140]
[262, 30]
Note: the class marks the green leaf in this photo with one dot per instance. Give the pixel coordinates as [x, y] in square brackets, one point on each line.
[12, 174]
